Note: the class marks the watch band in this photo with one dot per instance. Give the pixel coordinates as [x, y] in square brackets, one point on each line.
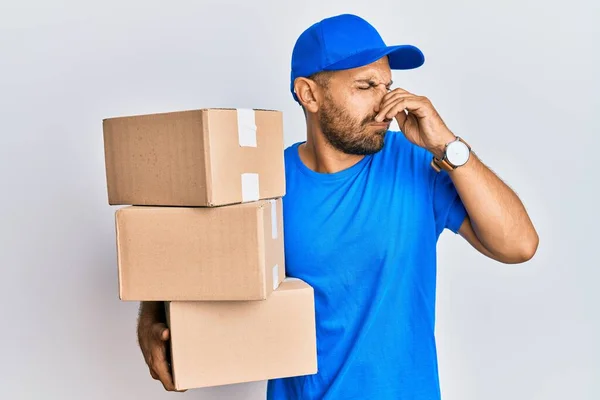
[442, 164]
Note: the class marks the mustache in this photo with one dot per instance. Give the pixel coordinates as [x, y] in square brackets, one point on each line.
[369, 119]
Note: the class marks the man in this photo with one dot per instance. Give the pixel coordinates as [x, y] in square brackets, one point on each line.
[363, 211]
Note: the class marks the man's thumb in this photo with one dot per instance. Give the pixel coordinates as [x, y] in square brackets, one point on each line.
[160, 331]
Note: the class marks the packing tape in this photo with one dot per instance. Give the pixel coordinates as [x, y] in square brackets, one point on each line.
[250, 187]
[273, 219]
[246, 127]
[275, 276]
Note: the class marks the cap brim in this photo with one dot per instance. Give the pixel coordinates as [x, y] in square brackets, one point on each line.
[400, 57]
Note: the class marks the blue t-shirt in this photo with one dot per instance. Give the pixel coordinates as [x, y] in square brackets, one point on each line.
[365, 239]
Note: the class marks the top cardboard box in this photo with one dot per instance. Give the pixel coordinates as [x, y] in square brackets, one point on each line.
[206, 157]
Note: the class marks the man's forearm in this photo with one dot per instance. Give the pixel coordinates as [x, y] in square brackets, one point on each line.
[497, 215]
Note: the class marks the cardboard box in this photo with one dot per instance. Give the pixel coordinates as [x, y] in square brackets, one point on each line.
[206, 157]
[232, 252]
[219, 343]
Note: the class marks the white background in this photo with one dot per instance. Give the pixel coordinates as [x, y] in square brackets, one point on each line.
[517, 79]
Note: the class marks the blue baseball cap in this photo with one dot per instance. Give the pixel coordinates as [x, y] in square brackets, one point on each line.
[346, 41]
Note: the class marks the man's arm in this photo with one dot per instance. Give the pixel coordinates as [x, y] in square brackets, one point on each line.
[497, 225]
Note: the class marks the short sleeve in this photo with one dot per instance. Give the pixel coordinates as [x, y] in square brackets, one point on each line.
[448, 208]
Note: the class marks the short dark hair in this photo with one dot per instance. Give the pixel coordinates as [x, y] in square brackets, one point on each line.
[322, 78]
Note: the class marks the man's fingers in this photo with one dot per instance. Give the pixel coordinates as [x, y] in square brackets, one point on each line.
[391, 96]
[412, 104]
[386, 105]
[159, 370]
[387, 108]
[394, 93]
[160, 366]
[163, 375]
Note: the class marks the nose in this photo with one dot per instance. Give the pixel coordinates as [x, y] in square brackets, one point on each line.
[383, 86]
[382, 90]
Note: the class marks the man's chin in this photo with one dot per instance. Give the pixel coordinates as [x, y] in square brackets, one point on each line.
[373, 148]
[378, 142]
[371, 143]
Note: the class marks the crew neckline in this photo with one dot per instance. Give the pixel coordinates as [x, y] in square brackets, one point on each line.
[323, 176]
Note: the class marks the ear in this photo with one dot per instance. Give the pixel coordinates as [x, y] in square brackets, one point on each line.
[308, 93]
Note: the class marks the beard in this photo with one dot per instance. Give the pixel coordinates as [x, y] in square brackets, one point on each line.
[347, 134]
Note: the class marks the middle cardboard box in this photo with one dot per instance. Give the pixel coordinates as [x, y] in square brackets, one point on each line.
[233, 252]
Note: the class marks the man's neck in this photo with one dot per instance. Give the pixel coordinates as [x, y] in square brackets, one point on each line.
[318, 155]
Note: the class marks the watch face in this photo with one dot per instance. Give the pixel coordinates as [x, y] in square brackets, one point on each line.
[457, 153]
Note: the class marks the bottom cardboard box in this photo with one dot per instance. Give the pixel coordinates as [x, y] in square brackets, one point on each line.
[217, 343]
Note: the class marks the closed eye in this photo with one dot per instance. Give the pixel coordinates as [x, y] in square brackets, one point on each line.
[371, 85]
